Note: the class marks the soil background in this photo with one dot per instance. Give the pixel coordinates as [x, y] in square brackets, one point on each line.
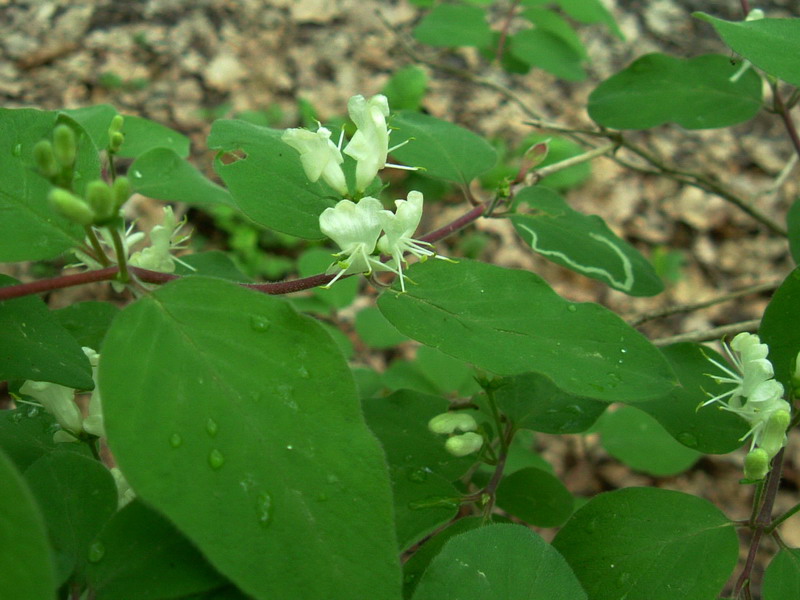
[185, 63]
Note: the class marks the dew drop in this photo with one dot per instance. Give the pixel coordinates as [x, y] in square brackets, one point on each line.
[687, 439]
[264, 509]
[289, 447]
[418, 475]
[303, 372]
[212, 427]
[574, 409]
[332, 478]
[175, 440]
[16, 417]
[216, 459]
[17, 150]
[33, 411]
[96, 552]
[260, 324]
[572, 308]
[137, 174]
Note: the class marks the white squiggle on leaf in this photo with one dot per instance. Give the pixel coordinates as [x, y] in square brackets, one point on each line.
[627, 267]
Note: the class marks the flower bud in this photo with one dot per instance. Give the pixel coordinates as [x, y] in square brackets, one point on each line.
[70, 207]
[116, 124]
[451, 422]
[121, 190]
[466, 443]
[115, 141]
[101, 201]
[773, 438]
[756, 464]
[45, 159]
[58, 400]
[65, 145]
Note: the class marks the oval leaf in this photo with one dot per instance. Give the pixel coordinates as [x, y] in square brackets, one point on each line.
[782, 577]
[583, 243]
[695, 93]
[649, 544]
[444, 150]
[269, 184]
[238, 419]
[707, 429]
[452, 25]
[34, 345]
[511, 322]
[160, 173]
[498, 562]
[536, 497]
[771, 44]
[637, 439]
[549, 51]
[783, 340]
[26, 568]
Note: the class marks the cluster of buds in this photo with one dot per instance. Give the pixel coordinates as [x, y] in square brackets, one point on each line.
[356, 227]
[461, 430]
[756, 397]
[100, 205]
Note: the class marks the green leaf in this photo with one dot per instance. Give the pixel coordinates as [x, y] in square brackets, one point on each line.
[549, 51]
[695, 93]
[238, 420]
[33, 345]
[269, 184]
[510, 322]
[444, 150]
[139, 555]
[26, 434]
[213, 263]
[141, 134]
[421, 468]
[162, 174]
[406, 89]
[77, 495]
[770, 44]
[536, 497]
[649, 543]
[498, 562]
[532, 401]
[637, 439]
[448, 374]
[775, 330]
[416, 565]
[372, 327]
[793, 226]
[452, 25]
[585, 11]
[87, 321]
[708, 430]
[582, 243]
[26, 568]
[547, 20]
[782, 577]
[29, 229]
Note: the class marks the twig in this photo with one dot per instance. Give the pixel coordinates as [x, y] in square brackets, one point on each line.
[501, 43]
[788, 123]
[540, 174]
[762, 522]
[709, 334]
[684, 308]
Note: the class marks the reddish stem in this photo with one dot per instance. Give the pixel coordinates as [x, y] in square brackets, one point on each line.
[274, 288]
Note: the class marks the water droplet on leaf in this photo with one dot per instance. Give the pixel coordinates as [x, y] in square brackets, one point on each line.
[418, 475]
[17, 150]
[212, 427]
[264, 509]
[216, 459]
[572, 308]
[687, 439]
[260, 324]
[175, 440]
[303, 372]
[96, 552]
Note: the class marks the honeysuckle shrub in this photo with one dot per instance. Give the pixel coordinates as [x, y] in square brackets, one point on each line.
[208, 436]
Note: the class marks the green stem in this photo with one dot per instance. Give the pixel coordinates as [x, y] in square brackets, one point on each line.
[787, 515]
[98, 249]
[122, 260]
